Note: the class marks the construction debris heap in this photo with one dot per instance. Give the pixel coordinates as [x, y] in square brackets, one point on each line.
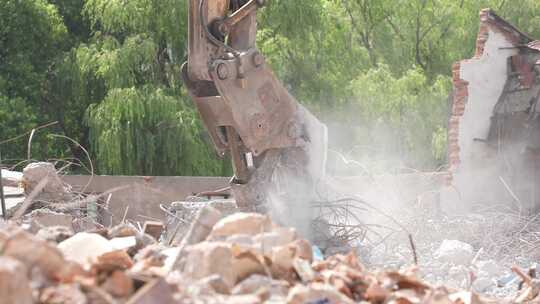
[241, 258]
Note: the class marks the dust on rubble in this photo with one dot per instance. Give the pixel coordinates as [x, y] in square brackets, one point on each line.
[61, 251]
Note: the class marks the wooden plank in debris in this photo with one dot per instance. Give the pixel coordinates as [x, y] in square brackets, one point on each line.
[156, 291]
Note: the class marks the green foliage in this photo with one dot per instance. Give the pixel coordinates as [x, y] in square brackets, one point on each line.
[380, 69]
[404, 116]
[144, 125]
[308, 44]
[146, 131]
[16, 117]
[30, 33]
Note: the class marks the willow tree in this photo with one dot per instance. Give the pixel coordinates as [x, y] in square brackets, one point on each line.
[31, 33]
[138, 118]
[147, 131]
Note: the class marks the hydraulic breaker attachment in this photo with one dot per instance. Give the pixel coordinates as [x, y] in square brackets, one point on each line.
[277, 147]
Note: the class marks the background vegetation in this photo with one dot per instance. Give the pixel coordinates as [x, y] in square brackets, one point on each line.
[376, 71]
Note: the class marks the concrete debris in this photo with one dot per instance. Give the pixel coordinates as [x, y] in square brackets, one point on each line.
[206, 259]
[84, 247]
[54, 190]
[316, 293]
[118, 284]
[241, 223]
[125, 243]
[455, 252]
[241, 258]
[11, 178]
[55, 234]
[64, 293]
[14, 284]
[154, 229]
[47, 218]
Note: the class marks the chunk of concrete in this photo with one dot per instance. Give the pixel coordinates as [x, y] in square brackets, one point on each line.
[284, 256]
[118, 284]
[240, 239]
[65, 294]
[54, 189]
[35, 252]
[455, 252]
[47, 218]
[201, 227]
[488, 268]
[268, 240]
[206, 259]
[241, 223]
[114, 260]
[123, 243]
[215, 284]
[246, 262]
[14, 284]
[11, 178]
[55, 234]
[251, 284]
[316, 293]
[483, 284]
[122, 230]
[198, 231]
[156, 291]
[84, 247]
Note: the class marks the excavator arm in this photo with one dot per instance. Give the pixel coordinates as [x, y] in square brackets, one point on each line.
[277, 147]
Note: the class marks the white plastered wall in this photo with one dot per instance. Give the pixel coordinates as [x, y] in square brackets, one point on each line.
[476, 178]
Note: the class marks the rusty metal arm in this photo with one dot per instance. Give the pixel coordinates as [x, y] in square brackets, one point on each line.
[245, 108]
[224, 26]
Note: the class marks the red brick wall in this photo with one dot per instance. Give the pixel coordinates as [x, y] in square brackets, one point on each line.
[461, 87]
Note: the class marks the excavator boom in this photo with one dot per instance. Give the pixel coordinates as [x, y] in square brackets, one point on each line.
[277, 147]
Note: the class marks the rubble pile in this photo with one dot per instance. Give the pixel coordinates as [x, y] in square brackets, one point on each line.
[55, 253]
[241, 258]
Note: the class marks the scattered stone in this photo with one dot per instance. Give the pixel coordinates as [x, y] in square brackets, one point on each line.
[14, 284]
[316, 293]
[216, 284]
[114, 260]
[55, 234]
[241, 223]
[65, 294]
[254, 282]
[488, 268]
[275, 238]
[54, 189]
[47, 218]
[156, 291]
[206, 259]
[241, 240]
[118, 284]
[122, 230]
[84, 247]
[376, 293]
[243, 258]
[483, 284]
[304, 270]
[455, 252]
[11, 178]
[123, 243]
[35, 252]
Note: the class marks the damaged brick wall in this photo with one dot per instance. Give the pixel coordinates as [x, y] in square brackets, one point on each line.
[479, 85]
[489, 22]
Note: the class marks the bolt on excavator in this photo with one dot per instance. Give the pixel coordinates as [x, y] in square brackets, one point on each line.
[277, 147]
